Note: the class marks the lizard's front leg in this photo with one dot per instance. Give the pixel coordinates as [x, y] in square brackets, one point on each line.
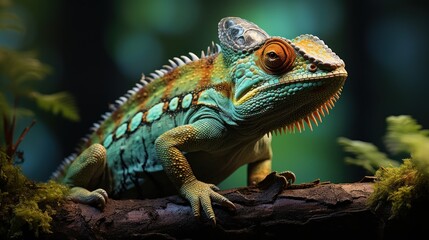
[86, 175]
[261, 167]
[201, 135]
[260, 171]
[257, 171]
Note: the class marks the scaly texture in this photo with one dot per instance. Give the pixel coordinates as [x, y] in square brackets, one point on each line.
[198, 119]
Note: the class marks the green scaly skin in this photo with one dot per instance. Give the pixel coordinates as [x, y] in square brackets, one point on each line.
[194, 122]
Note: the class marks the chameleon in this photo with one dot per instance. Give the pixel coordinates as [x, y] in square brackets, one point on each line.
[191, 124]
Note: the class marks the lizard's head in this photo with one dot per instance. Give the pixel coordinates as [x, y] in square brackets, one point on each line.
[279, 83]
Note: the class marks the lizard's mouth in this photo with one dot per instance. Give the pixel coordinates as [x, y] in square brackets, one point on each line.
[310, 110]
[288, 105]
[305, 115]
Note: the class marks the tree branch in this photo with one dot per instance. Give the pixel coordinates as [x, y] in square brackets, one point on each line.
[322, 210]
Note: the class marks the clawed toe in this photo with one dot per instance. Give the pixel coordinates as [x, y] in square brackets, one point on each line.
[97, 198]
[290, 176]
[286, 178]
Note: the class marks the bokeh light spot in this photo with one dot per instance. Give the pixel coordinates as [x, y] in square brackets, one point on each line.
[138, 53]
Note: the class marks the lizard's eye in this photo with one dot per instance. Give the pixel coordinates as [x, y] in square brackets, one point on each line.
[276, 56]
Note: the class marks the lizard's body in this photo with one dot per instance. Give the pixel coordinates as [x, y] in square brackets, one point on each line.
[199, 119]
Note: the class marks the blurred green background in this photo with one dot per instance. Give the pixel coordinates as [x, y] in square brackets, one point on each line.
[99, 49]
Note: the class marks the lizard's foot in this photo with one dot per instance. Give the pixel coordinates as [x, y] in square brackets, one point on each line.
[290, 177]
[97, 198]
[200, 195]
[287, 177]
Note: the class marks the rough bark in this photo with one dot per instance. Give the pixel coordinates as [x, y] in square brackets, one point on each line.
[267, 212]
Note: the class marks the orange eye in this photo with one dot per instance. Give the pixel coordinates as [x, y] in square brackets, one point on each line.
[276, 56]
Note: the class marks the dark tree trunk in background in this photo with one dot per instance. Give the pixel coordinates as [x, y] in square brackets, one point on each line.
[334, 211]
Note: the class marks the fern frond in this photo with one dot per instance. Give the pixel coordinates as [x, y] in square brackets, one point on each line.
[4, 105]
[402, 186]
[366, 154]
[9, 21]
[399, 129]
[404, 134]
[20, 67]
[58, 103]
[23, 112]
[5, 3]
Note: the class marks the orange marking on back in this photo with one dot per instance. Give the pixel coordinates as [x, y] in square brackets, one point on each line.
[100, 133]
[117, 117]
[224, 88]
[144, 97]
[195, 97]
[206, 69]
[169, 80]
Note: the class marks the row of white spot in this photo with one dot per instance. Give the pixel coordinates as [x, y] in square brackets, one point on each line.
[176, 62]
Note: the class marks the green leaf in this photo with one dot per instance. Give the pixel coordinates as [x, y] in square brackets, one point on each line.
[10, 21]
[400, 127]
[366, 154]
[4, 105]
[21, 67]
[5, 3]
[23, 112]
[404, 134]
[58, 103]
